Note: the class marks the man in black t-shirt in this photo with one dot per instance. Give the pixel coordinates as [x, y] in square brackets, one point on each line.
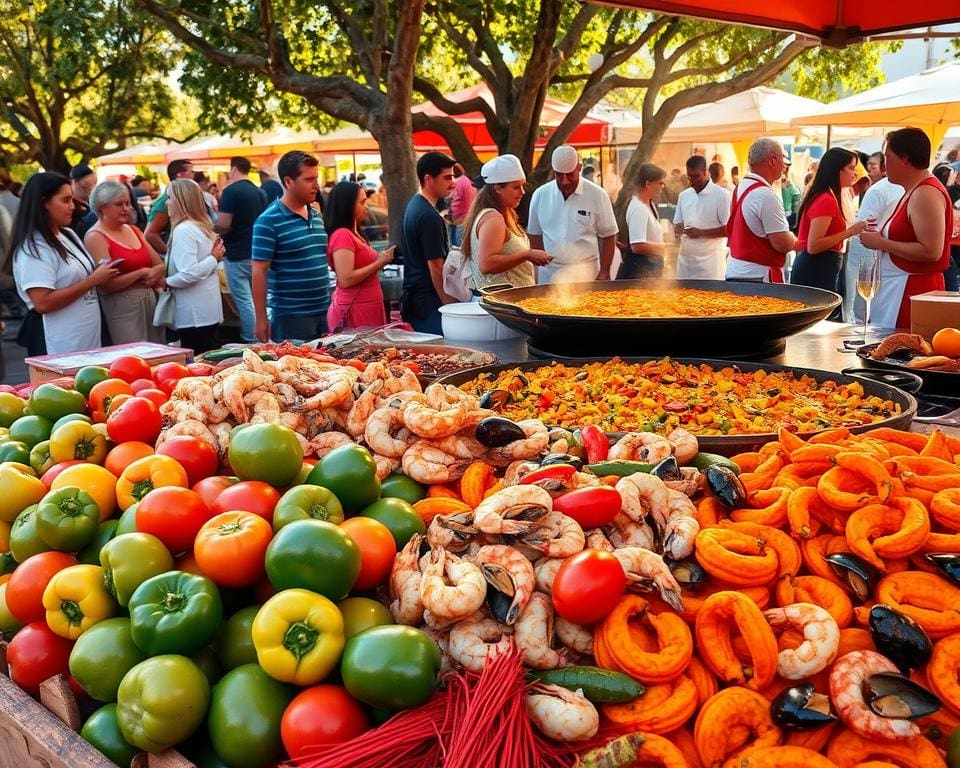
[241, 202]
[424, 245]
[82, 182]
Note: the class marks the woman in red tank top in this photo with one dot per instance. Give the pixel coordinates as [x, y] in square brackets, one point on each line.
[915, 241]
[129, 300]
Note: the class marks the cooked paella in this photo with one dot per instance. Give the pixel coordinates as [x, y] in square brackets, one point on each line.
[659, 395]
[657, 302]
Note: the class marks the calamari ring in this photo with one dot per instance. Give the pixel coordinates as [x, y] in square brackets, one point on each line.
[943, 671]
[847, 749]
[727, 721]
[782, 757]
[713, 629]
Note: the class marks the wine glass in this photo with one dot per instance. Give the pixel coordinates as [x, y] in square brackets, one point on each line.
[868, 280]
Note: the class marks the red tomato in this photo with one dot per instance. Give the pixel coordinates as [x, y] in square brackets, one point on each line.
[377, 547]
[587, 586]
[156, 396]
[173, 515]
[200, 369]
[211, 487]
[130, 368]
[248, 496]
[323, 714]
[196, 456]
[26, 585]
[139, 384]
[596, 444]
[35, 654]
[136, 418]
[51, 474]
[168, 374]
[102, 395]
[230, 547]
[590, 506]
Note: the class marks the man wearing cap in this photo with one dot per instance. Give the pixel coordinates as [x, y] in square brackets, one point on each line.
[158, 221]
[82, 182]
[567, 219]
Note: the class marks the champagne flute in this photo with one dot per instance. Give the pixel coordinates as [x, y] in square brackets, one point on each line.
[868, 280]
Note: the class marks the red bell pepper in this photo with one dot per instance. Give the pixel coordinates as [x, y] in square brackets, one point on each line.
[595, 443]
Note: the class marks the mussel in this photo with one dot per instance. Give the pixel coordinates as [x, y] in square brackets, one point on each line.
[726, 486]
[495, 399]
[500, 593]
[899, 638]
[562, 458]
[668, 469]
[948, 563]
[688, 572]
[801, 708]
[495, 431]
[895, 696]
[856, 574]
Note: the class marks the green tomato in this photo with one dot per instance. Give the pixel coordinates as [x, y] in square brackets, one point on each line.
[314, 555]
[16, 451]
[360, 613]
[130, 559]
[394, 666]
[200, 751]
[174, 612]
[102, 656]
[351, 474]
[52, 402]
[88, 376]
[267, 452]
[128, 520]
[399, 516]
[68, 519]
[31, 430]
[103, 731]
[9, 624]
[206, 659]
[11, 408]
[307, 502]
[90, 554]
[40, 458]
[235, 641]
[24, 540]
[161, 702]
[245, 712]
[70, 417]
[398, 486]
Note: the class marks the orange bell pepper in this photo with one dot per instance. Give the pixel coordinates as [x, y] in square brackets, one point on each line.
[148, 473]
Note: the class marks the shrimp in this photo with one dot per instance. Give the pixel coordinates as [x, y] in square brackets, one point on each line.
[691, 481]
[517, 470]
[465, 593]
[646, 570]
[190, 427]
[405, 577]
[545, 572]
[266, 407]
[513, 510]
[222, 432]
[453, 532]
[385, 465]
[510, 574]
[325, 442]
[561, 714]
[427, 421]
[472, 641]
[574, 636]
[595, 539]
[253, 362]
[401, 379]
[294, 421]
[682, 526]
[442, 638]
[175, 411]
[364, 405]
[537, 441]
[558, 536]
[648, 447]
[197, 391]
[821, 639]
[440, 396]
[236, 386]
[336, 393]
[461, 446]
[644, 494]
[427, 464]
[287, 395]
[623, 531]
[534, 635]
[683, 444]
[847, 677]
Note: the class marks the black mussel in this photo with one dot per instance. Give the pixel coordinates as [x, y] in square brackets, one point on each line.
[668, 469]
[801, 707]
[726, 486]
[899, 638]
[688, 573]
[562, 458]
[494, 432]
[896, 696]
[495, 399]
[500, 593]
[856, 574]
[522, 380]
[948, 563]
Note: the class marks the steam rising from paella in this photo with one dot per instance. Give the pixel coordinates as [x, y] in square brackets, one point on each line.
[656, 302]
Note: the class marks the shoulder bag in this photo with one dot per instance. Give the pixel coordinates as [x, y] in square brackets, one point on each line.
[165, 313]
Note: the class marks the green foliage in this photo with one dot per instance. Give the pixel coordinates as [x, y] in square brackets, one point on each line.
[828, 74]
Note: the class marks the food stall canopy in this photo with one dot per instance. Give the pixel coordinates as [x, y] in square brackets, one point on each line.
[927, 100]
[145, 153]
[833, 22]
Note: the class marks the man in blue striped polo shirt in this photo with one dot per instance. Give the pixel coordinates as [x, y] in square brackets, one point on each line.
[290, 257]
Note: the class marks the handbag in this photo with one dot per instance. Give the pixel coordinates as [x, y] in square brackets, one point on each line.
[457, 275]
[165, 313]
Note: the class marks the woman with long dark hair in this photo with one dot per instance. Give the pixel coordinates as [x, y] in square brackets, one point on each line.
[55, 275]
[357, 300]
[823, 219]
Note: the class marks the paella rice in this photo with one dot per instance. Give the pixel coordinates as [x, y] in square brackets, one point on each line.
[659, 395]
[660, 302]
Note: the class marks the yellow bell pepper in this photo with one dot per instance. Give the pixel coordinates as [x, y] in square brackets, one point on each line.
[75, 599]
[98, 481]
[298, 636]
[78, 440]
[18, 490]
[145, 474]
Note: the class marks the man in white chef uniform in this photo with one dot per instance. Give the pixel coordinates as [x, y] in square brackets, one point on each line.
[573, 221]
[700, 224]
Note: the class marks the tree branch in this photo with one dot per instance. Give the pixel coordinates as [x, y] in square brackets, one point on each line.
[361, 46]
[436, 96]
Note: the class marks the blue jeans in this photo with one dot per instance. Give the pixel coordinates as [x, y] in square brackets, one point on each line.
[238, 280]
[304, 328]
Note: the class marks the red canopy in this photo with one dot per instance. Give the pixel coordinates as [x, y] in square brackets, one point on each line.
[835, 22]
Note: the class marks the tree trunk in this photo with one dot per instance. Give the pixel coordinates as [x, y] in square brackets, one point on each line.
[399, 164]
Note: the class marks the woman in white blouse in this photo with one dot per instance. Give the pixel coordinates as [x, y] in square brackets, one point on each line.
[193, 254]
[644, 258]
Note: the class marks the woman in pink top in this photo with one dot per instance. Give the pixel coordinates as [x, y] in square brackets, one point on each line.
[357, 300]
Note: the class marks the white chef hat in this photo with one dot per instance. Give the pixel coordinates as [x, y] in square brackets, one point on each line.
[502, 170]
[564, 159]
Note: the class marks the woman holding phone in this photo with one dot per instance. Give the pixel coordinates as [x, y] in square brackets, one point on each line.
[129, 299]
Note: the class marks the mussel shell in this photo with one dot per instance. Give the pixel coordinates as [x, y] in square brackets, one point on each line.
[688, 572]
[494, 399]
[899, 638]
[895, 696]
[801, 708]
[948, 563]
[726, 486]
[668, 469]
[494, 432]
[857, 575]
[562, 458]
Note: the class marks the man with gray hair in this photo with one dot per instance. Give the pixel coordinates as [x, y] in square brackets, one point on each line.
[758, 233]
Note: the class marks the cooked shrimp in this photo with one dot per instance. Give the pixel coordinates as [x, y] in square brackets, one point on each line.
[295, 421]
[558, 536]
[534, 635]
[197, 390]
[475, 416]
[536, 442]
[545, 572]
[690, 483]
[623, 531]
[440, 396]
[427, 464]
[385, 465]
[682, 526]
[510, 573]
[461, 446]
[174, 411]
[405, 576]
[472, 641]
[427, 421]
[402, 379]
[596, 539]
[287, 395]
[442, 638]
[325, 442]
[821, 639]
[574, 636]
[465, 593]
[647, 447]
[364, 405]
[190, 427]
[512, 510]
[561, 714]
[235, 388]
[684, 445]
[222, 432]
[643, 495]
[516, 471]
[379, 432]
[335, 394]
[646, 570]
[847, 677]
[266, 407]
[253, 362]
[453, 532]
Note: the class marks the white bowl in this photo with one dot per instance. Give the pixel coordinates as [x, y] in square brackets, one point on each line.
[468, 321]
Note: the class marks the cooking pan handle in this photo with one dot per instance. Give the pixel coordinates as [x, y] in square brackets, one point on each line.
[488, 291]
[908, 382]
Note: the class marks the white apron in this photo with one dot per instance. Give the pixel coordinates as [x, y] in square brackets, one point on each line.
[885, 306]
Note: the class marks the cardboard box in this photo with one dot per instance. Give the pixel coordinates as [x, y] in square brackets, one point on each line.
[49, 367]
[929, 312]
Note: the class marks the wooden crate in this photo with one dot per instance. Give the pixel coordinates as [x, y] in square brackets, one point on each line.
[49, 367]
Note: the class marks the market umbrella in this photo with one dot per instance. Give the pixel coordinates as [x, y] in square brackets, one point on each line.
[145, 153]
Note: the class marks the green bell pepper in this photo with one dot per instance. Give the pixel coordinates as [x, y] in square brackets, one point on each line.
[174, 612]
[52, 402]
[68, 519]
[16, 451]
[102, 656]
[90, 554]
[129, 560]
[235, 641]
[40, 458]
[128, 520]
[88, 376]
[103, 731]
[305, 502]
[24, 540]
